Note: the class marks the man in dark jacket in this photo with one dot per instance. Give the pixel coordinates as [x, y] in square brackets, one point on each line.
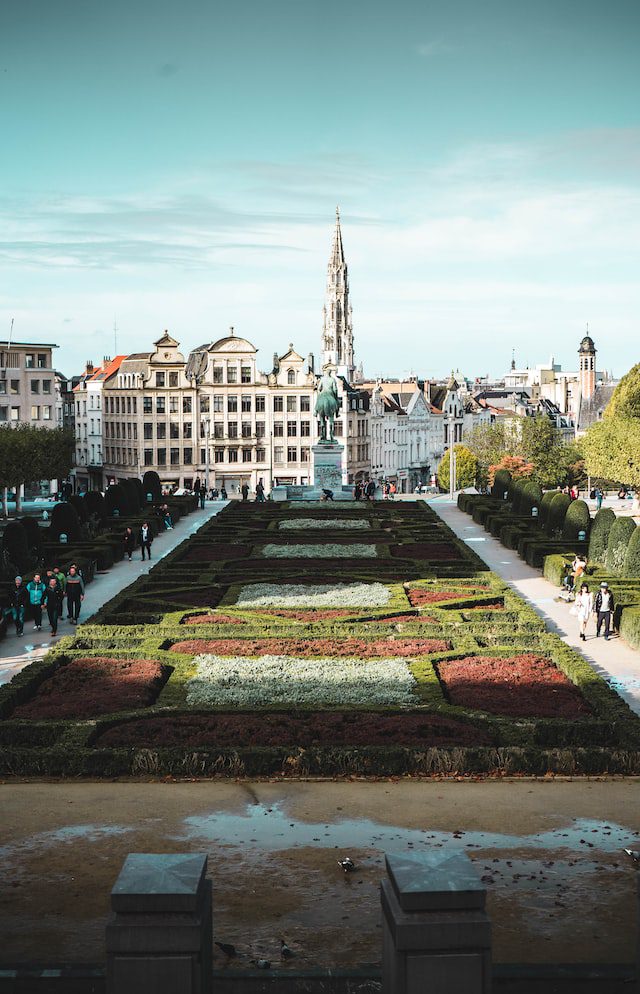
[145, 538]
[51, 601]
[18, 600]
[604, 607]
[75, 594]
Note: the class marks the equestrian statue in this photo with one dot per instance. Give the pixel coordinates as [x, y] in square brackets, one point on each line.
[327, 405]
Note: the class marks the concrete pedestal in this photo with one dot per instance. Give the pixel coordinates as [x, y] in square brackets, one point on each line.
[327, 465]
[436, 933]
[159, 935]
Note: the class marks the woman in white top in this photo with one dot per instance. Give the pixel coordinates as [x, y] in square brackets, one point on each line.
[584, 608]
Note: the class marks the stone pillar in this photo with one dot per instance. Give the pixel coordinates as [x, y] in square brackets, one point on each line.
[327, 465]
[159, 935]
[436, 933]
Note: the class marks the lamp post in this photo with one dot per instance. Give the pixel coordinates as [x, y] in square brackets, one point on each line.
[452, 459]
[206, 455]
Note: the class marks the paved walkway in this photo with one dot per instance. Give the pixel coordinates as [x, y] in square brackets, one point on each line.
[614, 660]
[16, 653]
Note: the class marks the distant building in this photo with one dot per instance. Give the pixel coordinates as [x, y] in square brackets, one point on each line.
[27, 384]
[88, 395]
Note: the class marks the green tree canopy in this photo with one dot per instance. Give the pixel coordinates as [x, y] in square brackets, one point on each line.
[612, 449]
[535, 441]
[625, 402]
[466, 468]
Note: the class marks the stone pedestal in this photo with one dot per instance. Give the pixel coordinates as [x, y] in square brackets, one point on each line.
[327, 465]
[159, 935]
[436, 933]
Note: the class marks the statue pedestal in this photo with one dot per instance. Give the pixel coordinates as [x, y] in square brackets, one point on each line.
[327, 466]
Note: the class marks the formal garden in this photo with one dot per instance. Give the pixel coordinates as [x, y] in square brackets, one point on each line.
[315, 641]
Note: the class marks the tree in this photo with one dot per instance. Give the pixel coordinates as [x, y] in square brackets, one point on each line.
[534, 441]
[15, 549]
[466, 468]
[612, 449]
[515, 466]
[28, 453]
[625, 401]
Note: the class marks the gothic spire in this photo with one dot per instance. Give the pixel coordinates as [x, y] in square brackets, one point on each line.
[337, 331]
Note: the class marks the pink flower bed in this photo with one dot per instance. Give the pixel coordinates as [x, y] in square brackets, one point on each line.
[522, 686]
[358, 648]
[212, 619]
[85, 688]
[418, 596]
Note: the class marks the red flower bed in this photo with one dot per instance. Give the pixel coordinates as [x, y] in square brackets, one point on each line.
[212, 619]
[216, 552]
[282, 729]
[85, 688]
[418, 596]
[423, 619]
[322, 614]
[435, 551]
[312, 647]
[523, 686]
[495, 606]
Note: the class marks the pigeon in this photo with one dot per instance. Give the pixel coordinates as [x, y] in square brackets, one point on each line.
[263, 964]
[285, 952]
[347, 864]
[635, 855]
[227, 949]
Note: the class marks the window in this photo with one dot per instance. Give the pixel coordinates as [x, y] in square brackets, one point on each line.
[261, 455]
[246, 455]
[15, 413]
[292, 453]
[175, 457]
[260, 429]
[305, 428]
[245, 405]
[148, 457]
[218, 455]
[278, 454]
[3, 413]
[14, 387]
[35, 412]
[260, 404]
[30, 360]
[117, 405]
[232, 376]
[218, 403]
[162, 457]
[291, 377]
[3, 386]
[35, 386]
[42, 360]
[161, 430]
[278, 429]
[203, 455]
[217, 375]
[160, 379]
[337, 428]
[186, 405]
[147, 405]
[174, 430]
[305, 454]
[186, 429]
[233, 429]
[188, 457]
[147, 429]
[204, 405]
[292, 429]
[278, 403]
[245, 374]
[246, 429]
[173, 379]
[218, 431]
[232, 404]
[292, 405]
[174, 405]
[233, 455]
[305, 403]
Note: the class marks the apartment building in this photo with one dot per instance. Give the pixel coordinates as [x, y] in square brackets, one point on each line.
[89, 403]
[27, 384]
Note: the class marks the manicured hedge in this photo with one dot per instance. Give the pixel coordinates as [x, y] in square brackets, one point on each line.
[632, 557]
[619, 539]
[577, 519]
[501, 483]
[545, 504]
[556, 515]
[599, 535]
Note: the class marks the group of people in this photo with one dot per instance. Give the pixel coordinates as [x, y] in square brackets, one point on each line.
[46, 593]
[365, 490]
[584, 602]
[144, 539]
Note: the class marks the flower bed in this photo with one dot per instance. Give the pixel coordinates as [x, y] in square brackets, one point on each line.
[246, 682]
[216, 552]
[523, 686]
[314, 595]
[300, 730]
[322, 524]
[420, 619]
[434, 551]
[311, 615]
[85, 688]
[213, 619]
[418, 596]
[327, 550]
[300, 647]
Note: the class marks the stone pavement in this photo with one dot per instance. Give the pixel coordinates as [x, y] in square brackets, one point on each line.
[16, 653]
[614, 660]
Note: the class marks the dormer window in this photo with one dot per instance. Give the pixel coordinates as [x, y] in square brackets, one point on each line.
[291, 377]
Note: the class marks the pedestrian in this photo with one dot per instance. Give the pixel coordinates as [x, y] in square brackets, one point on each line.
[196, 487]
[62, 582]
[370, 490]
[51, 575]
[17, 604]
[129, 540]
[36, 590]
[214, 493]
[393, 490]
[75, 594]
[599, 496]
[357, 491]
[260, 492]
[51, 600]
[223, 493]
[578, 568]
[604, 607]
[583, 607]
[245, 491]
[145, 538]
[202, 497]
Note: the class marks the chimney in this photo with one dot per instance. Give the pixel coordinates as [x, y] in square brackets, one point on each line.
[311, 363]
[276, 363]
[106, 359]
[88, 367]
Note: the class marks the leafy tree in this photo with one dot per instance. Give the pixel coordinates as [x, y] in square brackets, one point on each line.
[612, 449]
[466, 468]
[534, 441]
[516, 466]
[28, 453]
[625, 402]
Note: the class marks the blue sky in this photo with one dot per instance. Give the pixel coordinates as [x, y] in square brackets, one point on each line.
[178, 165]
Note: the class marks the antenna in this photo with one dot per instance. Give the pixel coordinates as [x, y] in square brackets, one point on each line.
[115, 337]
[10, 335]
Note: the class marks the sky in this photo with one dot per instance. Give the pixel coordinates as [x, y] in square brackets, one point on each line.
[178, 164]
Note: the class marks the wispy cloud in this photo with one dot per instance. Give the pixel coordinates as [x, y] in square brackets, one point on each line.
[437, 46]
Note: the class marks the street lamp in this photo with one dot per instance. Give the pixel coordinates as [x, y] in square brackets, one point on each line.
[206, 424]
[452, 458]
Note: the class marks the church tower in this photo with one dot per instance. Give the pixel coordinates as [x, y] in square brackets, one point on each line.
[337, 329]
[587, 373]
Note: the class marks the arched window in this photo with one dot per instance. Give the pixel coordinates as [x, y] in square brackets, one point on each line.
[291, 377]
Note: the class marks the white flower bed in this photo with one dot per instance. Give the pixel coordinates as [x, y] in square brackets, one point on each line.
[314, 595]
[240, 681]
[328, 550]
[316, 524]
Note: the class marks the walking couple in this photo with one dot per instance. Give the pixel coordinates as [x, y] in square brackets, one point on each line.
[602, 606]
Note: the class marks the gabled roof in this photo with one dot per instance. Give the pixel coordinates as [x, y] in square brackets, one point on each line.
[292, 355]
[231, 343]
[166, 341]
[108, 369]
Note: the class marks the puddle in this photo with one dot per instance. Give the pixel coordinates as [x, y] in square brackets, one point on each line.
[70, 833]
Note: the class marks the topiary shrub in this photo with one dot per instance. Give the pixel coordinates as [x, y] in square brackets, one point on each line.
[151, 485]
[629, 625]
[133, 496]
[81, 508]
[545, 504]
[95, 504]
[142, 500]
[619, 538]
[116, 498]
[556, 513]
[501, 483]
[530, 497]
[35, 535]
[516, 495]
[15, 548]
[576, 519]
[64, 521]
[599, 535]
[632, 557]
